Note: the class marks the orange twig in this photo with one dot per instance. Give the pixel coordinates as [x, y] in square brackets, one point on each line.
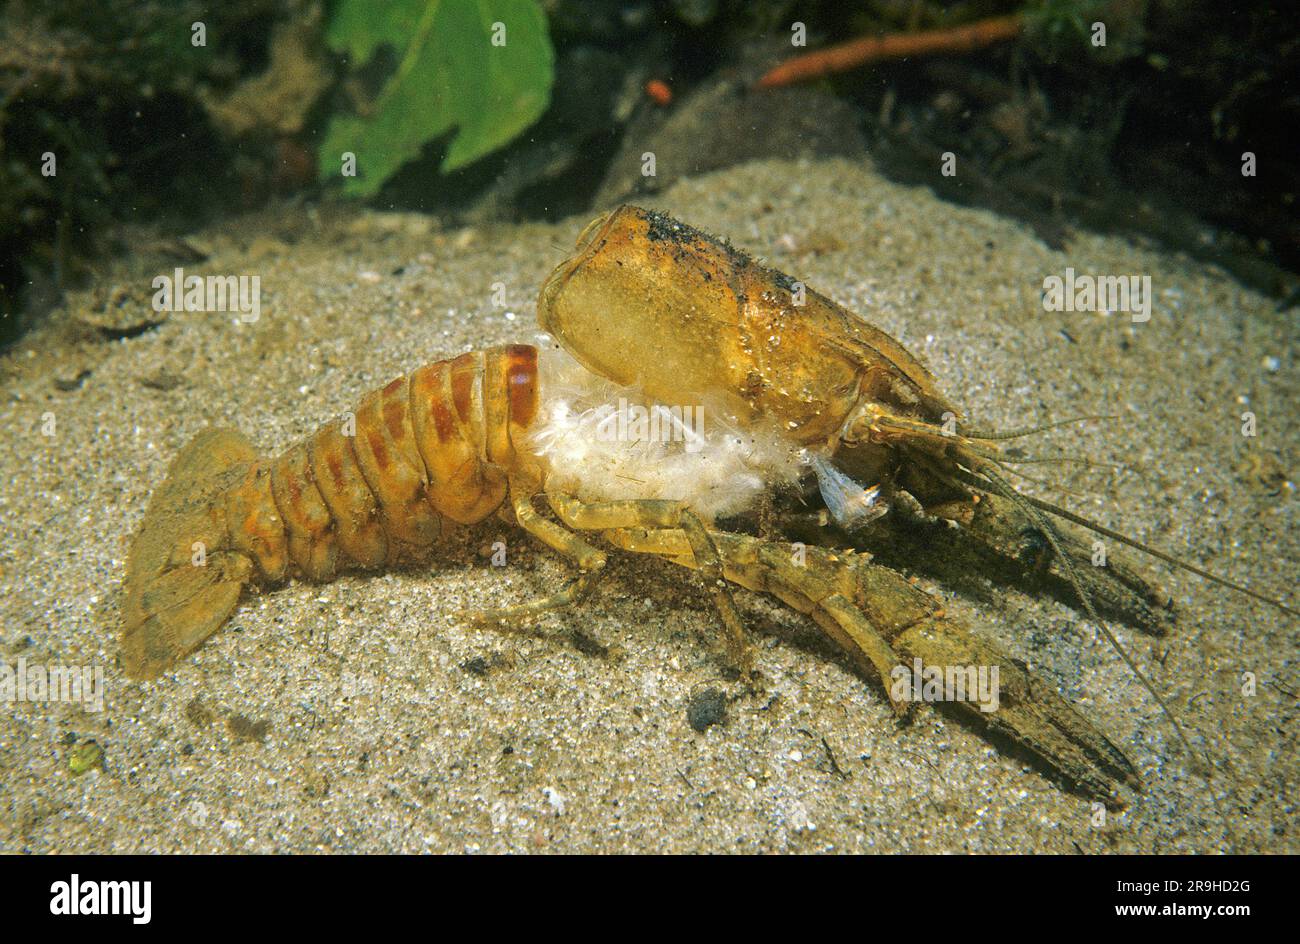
[866, 49]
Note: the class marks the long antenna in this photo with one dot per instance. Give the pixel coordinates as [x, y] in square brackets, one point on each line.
[1030, 430]
[1028, 505]
[1156, 553]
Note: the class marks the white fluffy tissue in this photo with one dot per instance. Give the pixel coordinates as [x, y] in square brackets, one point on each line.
[603, 442]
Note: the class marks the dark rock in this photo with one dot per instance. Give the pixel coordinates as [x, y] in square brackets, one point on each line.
[706, 708]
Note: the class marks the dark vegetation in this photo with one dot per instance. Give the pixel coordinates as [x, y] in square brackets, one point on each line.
[1145, 136]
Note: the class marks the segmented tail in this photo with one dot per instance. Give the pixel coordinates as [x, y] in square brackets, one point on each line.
[182, 578]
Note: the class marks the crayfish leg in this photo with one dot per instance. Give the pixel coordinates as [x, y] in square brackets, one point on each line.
[1029, 712]
[1115, 588]
[850, 627]
[589, 560]
[881, 620]
[768, 567]
[663, 514]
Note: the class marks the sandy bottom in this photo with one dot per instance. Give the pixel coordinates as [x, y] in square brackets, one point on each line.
[365, 715]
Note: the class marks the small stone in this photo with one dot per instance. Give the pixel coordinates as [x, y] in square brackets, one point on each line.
[475, 666]
[556, 800]
[85, 757]
[706, 708]
[247, 730]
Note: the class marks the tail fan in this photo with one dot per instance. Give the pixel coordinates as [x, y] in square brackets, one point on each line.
[182, 580]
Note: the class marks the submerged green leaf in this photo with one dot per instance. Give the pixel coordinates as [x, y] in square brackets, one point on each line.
[481, 67]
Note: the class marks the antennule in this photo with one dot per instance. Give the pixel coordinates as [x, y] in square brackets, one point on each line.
[1030, 430]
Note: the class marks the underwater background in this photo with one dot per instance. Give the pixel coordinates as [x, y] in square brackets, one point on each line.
[400, 177]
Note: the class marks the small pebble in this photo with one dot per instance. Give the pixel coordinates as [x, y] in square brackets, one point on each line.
[706, 708]
[556, 800]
